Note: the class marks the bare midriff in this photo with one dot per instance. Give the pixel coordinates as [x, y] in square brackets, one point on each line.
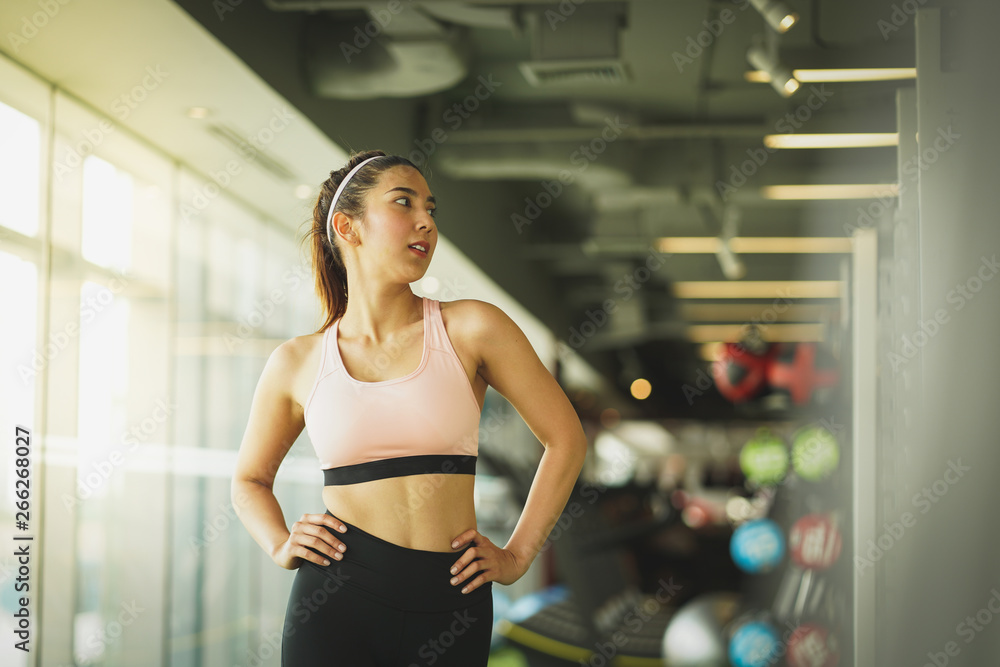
[416, 511]
[423, 512]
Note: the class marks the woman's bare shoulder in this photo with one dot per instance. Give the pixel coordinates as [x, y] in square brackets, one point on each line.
[294, 357]
[476, 326]
[473, 317]
[297, 347]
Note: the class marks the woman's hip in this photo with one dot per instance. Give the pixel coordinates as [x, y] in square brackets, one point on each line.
[404, 578]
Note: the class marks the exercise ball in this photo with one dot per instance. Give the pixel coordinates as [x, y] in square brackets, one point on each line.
[740, 373]
[814, 541]
[802, 371]
[757, 546]
[694, 636]
[754, 644]
[815, 453]
[812, 645]
[764, 458]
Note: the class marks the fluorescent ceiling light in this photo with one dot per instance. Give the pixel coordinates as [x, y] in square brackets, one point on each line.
[845, 140]
[754, 312]
[681, 245]
[790, 244]
[710, 351]
[850, 75]
[772, 333]
[684, 245]
[760, 75]
[844, 191]
[760, 289]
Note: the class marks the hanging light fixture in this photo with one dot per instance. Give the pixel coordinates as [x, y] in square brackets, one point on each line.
[777, 14]
[782, 79]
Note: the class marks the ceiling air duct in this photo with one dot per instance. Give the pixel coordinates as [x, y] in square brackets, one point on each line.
[376, 53]
[575, 44]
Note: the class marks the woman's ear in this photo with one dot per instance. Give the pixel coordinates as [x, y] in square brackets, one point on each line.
[343, 227]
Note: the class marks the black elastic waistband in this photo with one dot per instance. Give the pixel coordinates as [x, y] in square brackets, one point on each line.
[400, 577]
[400, 466]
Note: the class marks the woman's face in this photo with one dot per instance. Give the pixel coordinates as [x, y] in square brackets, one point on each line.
[399, 214]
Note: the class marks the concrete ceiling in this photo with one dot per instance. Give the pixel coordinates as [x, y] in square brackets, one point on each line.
[660, 141]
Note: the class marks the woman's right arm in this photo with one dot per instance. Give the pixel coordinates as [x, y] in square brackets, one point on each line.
[275, 422]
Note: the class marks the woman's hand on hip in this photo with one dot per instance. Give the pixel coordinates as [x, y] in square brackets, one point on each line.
[311, 531]
[492, 562]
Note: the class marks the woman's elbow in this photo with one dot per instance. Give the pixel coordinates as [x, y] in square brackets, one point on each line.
[574, 446]
[241, 488]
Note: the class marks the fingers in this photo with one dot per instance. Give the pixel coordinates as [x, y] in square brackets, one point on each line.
[331, 521]
[475, 583]
[468, 565]
[470, 554]
[464, 538]
[313, 532]
[469, 571]
[308, 542]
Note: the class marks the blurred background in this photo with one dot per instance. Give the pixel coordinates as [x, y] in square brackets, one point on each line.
[753, 240]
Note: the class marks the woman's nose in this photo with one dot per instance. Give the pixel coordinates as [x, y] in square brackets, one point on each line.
[426, 221]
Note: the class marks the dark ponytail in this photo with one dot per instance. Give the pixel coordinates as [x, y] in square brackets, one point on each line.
[327, 260]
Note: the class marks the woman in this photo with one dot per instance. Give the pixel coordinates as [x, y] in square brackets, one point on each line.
[390, 390]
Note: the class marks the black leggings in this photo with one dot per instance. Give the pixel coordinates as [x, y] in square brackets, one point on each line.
[385, 605]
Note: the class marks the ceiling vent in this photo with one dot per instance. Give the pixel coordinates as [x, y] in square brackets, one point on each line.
[574, 72]
[583, 51]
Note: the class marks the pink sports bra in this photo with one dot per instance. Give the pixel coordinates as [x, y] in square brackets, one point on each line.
[424, 422]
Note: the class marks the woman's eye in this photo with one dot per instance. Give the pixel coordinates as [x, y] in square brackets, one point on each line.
[432, 211]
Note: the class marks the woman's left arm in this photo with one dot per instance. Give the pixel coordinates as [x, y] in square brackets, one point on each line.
[510, 365]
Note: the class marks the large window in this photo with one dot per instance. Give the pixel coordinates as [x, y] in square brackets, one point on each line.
[20, 155]
[132, 339]
[107, 214]
[17, 374]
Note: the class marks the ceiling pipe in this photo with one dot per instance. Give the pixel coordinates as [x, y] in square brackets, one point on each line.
[639, 132]
[500, 18]
[526, 167]
[327, 5]
[411, 55]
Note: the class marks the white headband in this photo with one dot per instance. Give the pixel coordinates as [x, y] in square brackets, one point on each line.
[340, 189]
